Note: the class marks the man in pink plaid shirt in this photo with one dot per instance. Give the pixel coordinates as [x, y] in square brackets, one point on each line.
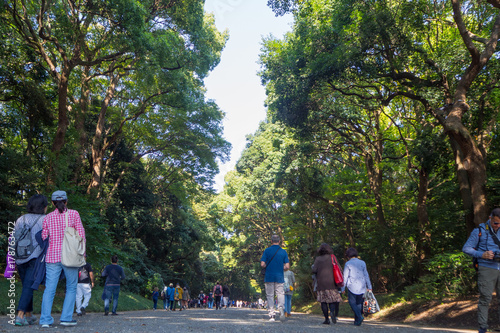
[53, 228]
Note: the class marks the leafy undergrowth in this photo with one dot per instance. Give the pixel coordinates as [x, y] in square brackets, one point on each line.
[127, 301]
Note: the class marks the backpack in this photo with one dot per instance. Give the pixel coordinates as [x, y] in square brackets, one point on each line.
[24, 246]
[163, 295]
[83, 273]
[475, 263]
[286, 285]
[218, 292]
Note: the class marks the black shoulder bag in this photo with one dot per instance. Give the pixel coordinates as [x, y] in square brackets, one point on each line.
[263, 270]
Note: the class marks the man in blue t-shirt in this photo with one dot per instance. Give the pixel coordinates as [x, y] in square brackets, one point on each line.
[276, 262]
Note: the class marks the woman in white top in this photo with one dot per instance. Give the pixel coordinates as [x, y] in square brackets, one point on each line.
[357, 281]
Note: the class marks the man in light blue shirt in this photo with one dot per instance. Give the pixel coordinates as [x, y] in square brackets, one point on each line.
[484, 245]
[275, 260]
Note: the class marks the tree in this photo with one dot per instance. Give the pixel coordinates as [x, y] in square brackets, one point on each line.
[403, 49]
[114, 64]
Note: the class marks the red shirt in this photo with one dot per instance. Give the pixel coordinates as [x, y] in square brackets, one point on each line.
[53, 227]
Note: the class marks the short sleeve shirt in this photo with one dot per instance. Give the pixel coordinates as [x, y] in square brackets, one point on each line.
[274, 270]
[84, 273]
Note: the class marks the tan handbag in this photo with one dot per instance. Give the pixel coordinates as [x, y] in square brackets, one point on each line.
[73, 247]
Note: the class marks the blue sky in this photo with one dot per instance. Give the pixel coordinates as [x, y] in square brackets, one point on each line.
[234, 84]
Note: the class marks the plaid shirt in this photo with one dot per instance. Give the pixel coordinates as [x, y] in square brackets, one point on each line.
[53, 226]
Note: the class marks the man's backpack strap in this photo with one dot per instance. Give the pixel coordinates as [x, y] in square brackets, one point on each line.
[475, 262]
[495, 238]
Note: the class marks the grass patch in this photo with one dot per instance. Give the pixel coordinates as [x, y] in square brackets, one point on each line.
[127, 301]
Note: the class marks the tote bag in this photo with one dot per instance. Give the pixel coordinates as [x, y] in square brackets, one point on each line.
[370, 304]
[73, 247]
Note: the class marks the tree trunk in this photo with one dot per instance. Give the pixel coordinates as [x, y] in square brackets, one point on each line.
[80, 125]
[469, 160]
[98, 146]
[62, 124]
[424, 242]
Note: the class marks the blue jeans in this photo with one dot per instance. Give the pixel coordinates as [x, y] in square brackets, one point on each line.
[52, 274]
[26, 271]
[111, 291]
[171, 304]
[288, 303]
[356, 303]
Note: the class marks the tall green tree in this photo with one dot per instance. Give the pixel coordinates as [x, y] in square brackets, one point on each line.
[115, 63]
[403, 48]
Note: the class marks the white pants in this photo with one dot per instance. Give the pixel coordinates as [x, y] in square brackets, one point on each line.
[225, 300]
[271, 289]
[83, 293]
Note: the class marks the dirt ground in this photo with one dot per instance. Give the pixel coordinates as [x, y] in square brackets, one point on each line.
[446, 313]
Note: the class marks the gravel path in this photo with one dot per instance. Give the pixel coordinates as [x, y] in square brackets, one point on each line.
[204, 320]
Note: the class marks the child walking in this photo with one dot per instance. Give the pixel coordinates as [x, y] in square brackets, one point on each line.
[155, 298]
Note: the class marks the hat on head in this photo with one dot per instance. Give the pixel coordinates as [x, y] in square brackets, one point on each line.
[59, 195]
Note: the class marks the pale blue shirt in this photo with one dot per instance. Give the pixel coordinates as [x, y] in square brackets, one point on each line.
[356, 277]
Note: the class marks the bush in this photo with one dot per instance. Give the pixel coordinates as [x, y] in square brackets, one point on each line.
[448, 274]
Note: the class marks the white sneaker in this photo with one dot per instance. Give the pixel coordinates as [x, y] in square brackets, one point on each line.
[271, 318]
[282, 314]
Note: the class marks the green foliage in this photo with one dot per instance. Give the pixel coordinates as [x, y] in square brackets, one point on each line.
[448, 274]
[128, 301]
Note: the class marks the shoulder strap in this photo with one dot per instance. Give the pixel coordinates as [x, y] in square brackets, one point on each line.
[66, 218]
[38, 219]
[267, 263]
[495, 238]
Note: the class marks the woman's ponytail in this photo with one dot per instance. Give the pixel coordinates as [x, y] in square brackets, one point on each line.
[60, 205]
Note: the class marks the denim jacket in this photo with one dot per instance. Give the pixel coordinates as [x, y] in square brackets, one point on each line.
[476, 246]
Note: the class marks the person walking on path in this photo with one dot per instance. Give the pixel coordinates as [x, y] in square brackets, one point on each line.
[32, 223]
[163, 296]
[357, 281]
[288, 287]
[225, 295]
[210, 300]
[114, 275]
[484, 246]
[155, 296]
[54, 225]
[275, 261]
[218, 295]
[185, 298]
[170, 297]
[178, 296]
[327, 291]
[84, 288]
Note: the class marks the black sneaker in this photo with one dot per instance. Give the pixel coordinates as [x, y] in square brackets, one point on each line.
[79, 314]
[83, 311]
[106, 313]
[114, 314]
